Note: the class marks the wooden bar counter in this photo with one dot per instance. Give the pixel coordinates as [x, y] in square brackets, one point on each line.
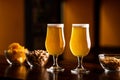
[24, 72]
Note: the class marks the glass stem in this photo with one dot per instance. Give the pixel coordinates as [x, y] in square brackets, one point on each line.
[80, 60]
[55, 63]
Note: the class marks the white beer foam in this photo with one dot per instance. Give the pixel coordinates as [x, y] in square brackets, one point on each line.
[81, 25]
[57, 25]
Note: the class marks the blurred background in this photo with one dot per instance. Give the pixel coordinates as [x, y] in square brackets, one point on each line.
[24, 21]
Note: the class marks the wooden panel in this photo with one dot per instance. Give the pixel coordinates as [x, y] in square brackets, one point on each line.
[11, 22]
[110, 23]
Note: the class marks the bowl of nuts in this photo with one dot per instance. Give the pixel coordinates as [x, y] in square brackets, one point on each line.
[110, 62]
[37, 58]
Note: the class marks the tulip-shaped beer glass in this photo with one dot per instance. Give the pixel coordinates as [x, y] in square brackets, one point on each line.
[80, 45]
[55, 44]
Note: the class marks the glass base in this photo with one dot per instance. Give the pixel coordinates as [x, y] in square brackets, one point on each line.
[55, 69]
[80, 71]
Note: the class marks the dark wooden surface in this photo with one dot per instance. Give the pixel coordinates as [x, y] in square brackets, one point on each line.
[24, 72]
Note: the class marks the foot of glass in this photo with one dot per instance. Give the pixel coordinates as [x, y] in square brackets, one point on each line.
[80, 71]
[55, 69]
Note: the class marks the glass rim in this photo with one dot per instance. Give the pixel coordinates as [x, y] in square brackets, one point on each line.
[86, 25]
[57, 25]
[108, 54]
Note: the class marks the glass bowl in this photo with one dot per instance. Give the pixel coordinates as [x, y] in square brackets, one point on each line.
[37, 58]
[110, 62]
[15, 58]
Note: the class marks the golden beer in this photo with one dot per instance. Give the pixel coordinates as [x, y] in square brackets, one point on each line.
[79, 44]
[54, 40]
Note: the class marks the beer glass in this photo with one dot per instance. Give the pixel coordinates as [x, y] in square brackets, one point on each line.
[80, 45]
[55, 44]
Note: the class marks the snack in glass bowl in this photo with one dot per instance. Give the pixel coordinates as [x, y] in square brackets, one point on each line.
[37, 58]
[110, 62]
[15, 54]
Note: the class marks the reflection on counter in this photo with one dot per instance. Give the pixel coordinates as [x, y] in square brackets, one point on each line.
[16, 71]
[37, 73]
[109, 75]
